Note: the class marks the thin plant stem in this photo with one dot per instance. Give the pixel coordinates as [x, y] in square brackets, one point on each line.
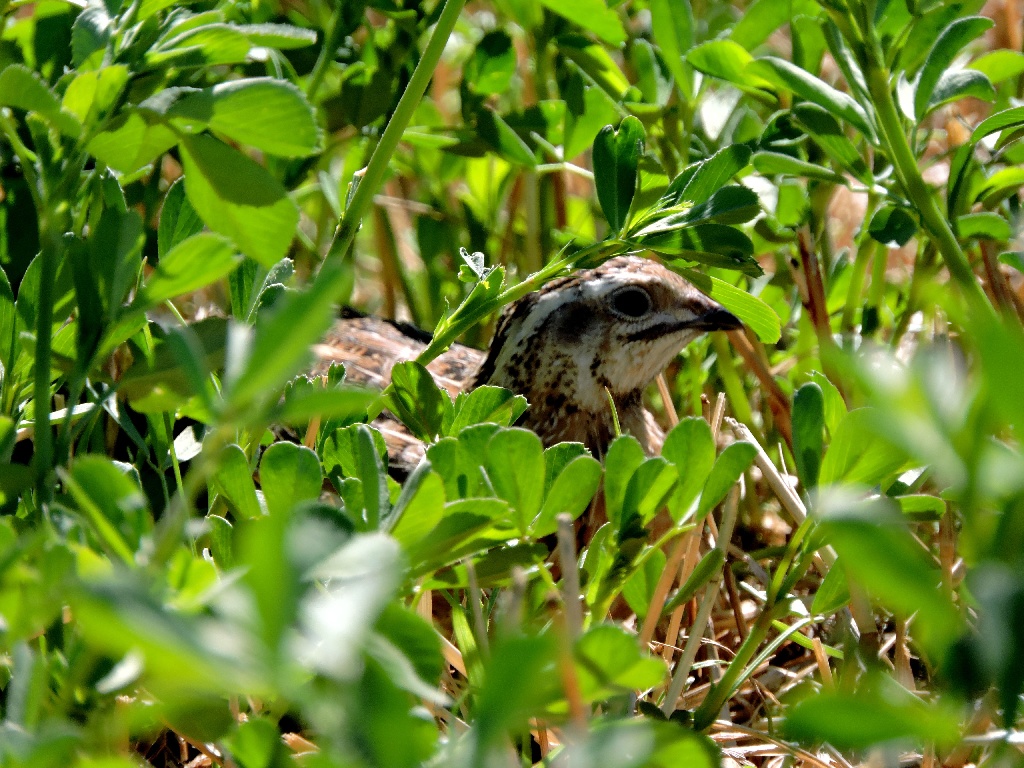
[865, 247]
[570, 576]
[323, 61]
[909, 173]
[375, 170]
[730, 511]
[51, 229]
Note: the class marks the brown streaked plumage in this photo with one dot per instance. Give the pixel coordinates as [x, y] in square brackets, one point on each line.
[565, 348]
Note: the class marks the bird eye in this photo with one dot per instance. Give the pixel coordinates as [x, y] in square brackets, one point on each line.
[632, 302]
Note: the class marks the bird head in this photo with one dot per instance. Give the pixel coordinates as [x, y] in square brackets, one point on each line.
[614, 327]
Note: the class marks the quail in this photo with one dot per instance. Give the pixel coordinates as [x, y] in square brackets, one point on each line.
[568, 347]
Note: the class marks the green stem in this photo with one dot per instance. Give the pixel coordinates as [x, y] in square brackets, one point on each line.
[909, 173]
[362, 198]
[52, 226]
[331, 41]
[865, 247]
[169, 428]
[723, 689]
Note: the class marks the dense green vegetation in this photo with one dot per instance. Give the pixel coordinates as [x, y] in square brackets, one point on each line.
[190, 190]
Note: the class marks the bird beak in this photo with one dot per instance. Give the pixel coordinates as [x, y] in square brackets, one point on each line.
[717, 319]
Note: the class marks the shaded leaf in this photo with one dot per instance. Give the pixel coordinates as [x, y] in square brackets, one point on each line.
[808, 432]
[616, 158]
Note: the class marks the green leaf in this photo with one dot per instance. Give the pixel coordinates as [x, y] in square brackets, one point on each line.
[732, 204]
[918, 33]
[858, 454]
[653, 78]
[698, 182]
[595, 61]
[482, 300]
[270, 115]
[91, 95]
[178, 219]
[280, 347]
[238, 198]
[588, 109]
[834, 593]
[892, 226]
[648, 490]
[206, 46]
[256, 742]
[956, 200]
[420, 506]
[161, 381]
[715, 245]
[484, 404]
[593, 15]
[771, 163]
[726, 60]
[880, 554]
[493, 129]
[609, 661]
[467, 527]
[21, 88]
[921, 507]
[956, 85]
[340, 452]
[754, 313]
[369, 470]
[90, 34]
[835, 406]
[190, 265]
[131, 141]
[616, 158]
[985, 225]
[10, 349]
[639, 588]
[807, 86]
[148, 8]
[121, 616]
[515, 462]
[808, 432]
[492, 66]
[516, 685]
[672, 26]
[112, 502]
[417, 641]
[827, 133]
[691, 448]
[1000, 185]
[571, 492]
[847, 61]
[344, 403]
[730, 465]
[1013, 259]
[999, 65]
[417, 400]
[879, 711]
[233, 480]
[623, 458]
[282, 37]
[289, 474]
[954, 37]
[651, 743]
[762, 17]
[360, 580]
